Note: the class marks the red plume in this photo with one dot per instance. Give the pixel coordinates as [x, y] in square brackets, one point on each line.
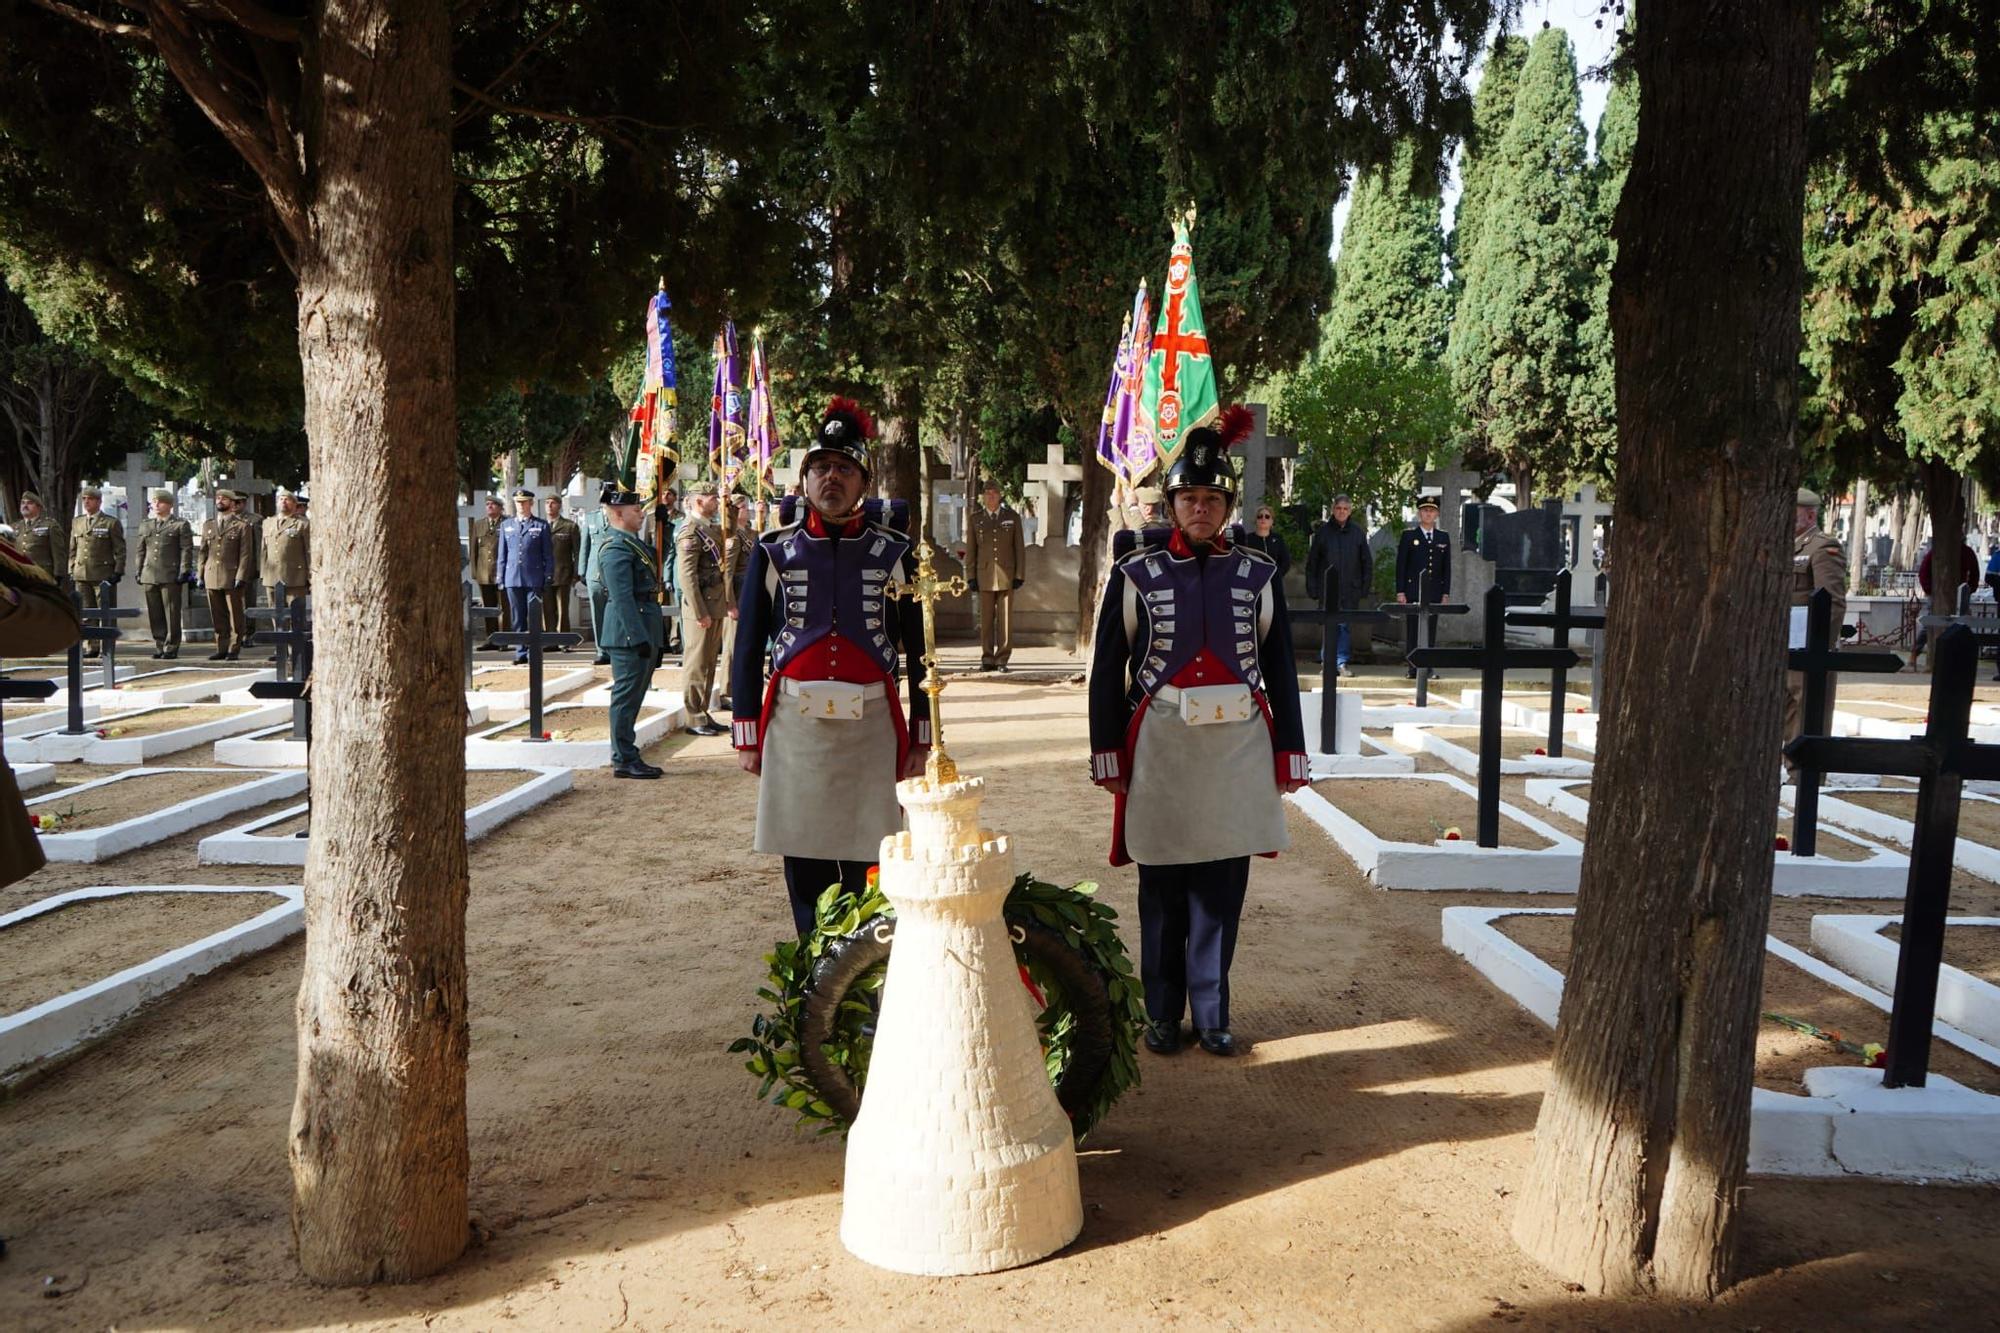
[1236, 424]
[854, 409]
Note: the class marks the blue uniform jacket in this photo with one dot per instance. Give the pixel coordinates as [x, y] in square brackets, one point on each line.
[527, 553]
[1424, 565]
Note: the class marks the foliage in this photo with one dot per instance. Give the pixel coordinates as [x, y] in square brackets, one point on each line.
[1367, 428]
[1521, 368]
[1086, 925]
[1492, 112]
[1389, 298]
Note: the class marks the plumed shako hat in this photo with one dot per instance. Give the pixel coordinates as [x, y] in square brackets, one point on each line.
[844, 430]
[1204, 459]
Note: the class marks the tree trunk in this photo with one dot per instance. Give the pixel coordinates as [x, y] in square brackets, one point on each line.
[378, 1137]
[1641, 1145]
[1857, 537]
[902, 476]
[1092, 564]
[1944, 500]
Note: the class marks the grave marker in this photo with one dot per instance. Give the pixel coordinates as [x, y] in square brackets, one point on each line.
[1985, 628]
[1942, 760]
[534, 641]
[292, 637]
[1816, 661]
[1258, 449]
[1426, 626]
[1329, 712]
[137, 481]
[1494, 660]
[1588, 511]
[100, 625]
[1053, 475]
[1560, 622]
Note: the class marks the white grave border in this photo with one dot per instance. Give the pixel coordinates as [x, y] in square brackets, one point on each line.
[59, 1024]
[1460, 865]
[484, 750]
[134, 693]
[1421, 738]
[1965, 1001]
[52, 746]
[555, 684]
[251, 750]
[91, 845]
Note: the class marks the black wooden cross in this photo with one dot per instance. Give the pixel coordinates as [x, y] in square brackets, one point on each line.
[25, 689]
[1494, 660]
[1987, 628]
[1331, 618]
[1816, 661]
[1942, 760]
[536, 641]
[279, 613]
[100, 625]
[1426, 627]
[1561, 621]
[294, 642]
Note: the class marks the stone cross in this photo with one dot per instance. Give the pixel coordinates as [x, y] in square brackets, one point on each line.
[1817, 662]
[1942, 760]
[137, 481]
[1588, 511]
[1053, 476]
[1450, 486]
[1494, 660]
[580, 496]
[1560, 622]
[534, 641]
[785, 474]
[1257, 450]
[243, 479]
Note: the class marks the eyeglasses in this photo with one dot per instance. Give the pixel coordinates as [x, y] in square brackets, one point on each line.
[836, 467]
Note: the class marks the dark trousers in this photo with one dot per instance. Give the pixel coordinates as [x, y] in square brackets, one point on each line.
[225, 612]
[163, 613]
[598, 597]
[517, 616]
[806, 878]
[1187, 937]
[92, 593]
[1410, 633]
[489, 595]
[631, 671]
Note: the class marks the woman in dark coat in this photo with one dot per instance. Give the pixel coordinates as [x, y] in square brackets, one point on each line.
[1262, 537]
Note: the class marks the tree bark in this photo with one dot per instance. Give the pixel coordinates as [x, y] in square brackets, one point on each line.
[1641, 1146]
[1944, 500]
[1092, 564]
[378, 1137]
[902, 476]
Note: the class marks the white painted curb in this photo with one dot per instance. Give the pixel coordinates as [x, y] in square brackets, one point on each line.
[556, 682]
[53, 719]
[1461, 865]
[1965, 1001]
[251, 750]
[28, 777]
[482, 751]
[99, 844]
[54, 747]
[1467, 761]
[135, 693]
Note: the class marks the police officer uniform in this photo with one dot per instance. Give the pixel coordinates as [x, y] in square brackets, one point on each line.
[486, 566]
[35, 618]
[704, 595]
[630, 631]
[166, 566]
[565, 541]
[43, 540]
[996, 560]
[96, 556]
[525, 558]
[226, 559]
[1818, 561]
[830, 731]
[1194, 725]
[1423, 571]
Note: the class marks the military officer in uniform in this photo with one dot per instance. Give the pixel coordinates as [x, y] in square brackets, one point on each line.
[704, 598]
[96, 555]
[1195, 729]
[42, 539]
[486, 562]
[1423, 571]
[287, 548]
[226, 558]
[825, 729]
[630, 629]
[1152, 504]
[596, 528]
[565, 539]
[996, 560]
[1818, 561]
[166, 567]
[35, 618]
[525, 558]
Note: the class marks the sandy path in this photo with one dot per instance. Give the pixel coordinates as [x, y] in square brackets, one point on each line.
[1352, 1170]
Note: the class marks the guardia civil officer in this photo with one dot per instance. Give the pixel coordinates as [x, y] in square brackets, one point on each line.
[629, 629]
[1194, 726]
[525, 557]
[825, 729]
[1423, 570]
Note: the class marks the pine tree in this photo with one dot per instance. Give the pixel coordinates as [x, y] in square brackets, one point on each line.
[1389, 298]
[1517, 354]
[1492, 112]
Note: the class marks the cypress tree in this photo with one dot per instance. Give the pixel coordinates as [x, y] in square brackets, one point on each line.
[1596, 406]
[1492, 112]
[1389, 298]
[1517, 353]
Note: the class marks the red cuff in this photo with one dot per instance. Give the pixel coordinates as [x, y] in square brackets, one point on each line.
[1292, 767]
[1106, 766]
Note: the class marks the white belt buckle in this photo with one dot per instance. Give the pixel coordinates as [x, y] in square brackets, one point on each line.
[1206, 705]
[831, 700]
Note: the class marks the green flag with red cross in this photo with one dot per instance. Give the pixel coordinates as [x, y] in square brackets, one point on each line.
[1179, 393]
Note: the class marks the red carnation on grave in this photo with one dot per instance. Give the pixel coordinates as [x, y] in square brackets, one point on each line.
[545, 735]
[1582, 710]
[100, 733]
[1236, 424]
[1541, 749]
[1784, 844]
[855, 410]
[34, 821]
[1453, 835]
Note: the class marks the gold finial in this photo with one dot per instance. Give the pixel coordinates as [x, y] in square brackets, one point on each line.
[927, 590]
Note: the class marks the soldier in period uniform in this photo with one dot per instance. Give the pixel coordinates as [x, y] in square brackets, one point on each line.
[287, 547]
[565, 542]
[42, 539]
[166, 567]
[96, 555]
[486, 562]
[1423, 570]
[825, 728]
[1195, 729]
[630, 629]
[1818, 561]
[525, 558]
[227, 559]
[996, 561]
[35, 618]
[704, 597]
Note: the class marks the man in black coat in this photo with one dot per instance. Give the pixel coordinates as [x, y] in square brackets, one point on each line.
[1423, 570]
[1340, 572]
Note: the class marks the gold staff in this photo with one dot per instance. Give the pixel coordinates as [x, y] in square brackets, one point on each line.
[927, 590]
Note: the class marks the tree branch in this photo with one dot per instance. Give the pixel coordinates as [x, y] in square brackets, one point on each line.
[94, 23]
[254, 18]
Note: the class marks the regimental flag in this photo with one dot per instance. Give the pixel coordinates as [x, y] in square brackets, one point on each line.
[649, 436]
[727, 419]
[763, 426]
[1125, 442]
[1179, 392]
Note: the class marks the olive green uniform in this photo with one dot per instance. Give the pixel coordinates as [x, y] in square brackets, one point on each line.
[96, 556]
[565, 539]
[996, 560]
[43, 541]
[1817, 562]
[226, 566]
[166, 560]
[703, 594]
[288, 555]
[486, 567]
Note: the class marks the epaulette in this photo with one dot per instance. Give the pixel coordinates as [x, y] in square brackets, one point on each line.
[21, 572]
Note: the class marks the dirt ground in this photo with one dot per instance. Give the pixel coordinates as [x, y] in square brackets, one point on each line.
[1353, 1169]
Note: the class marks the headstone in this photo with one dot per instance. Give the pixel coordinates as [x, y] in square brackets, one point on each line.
[137, 481]
[1942, 760]
[1259, 449]
[1054, 477]
[1586, 511]
[1526, 550]
[1560, 622]
[785, 470]
[1494, 660]
[535, 640]
[1984, 627]
[1815, 662]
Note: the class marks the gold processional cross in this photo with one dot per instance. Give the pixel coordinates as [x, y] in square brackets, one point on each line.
[927, 590]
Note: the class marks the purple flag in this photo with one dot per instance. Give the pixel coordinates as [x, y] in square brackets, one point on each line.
[1125, 441]
[726, 425]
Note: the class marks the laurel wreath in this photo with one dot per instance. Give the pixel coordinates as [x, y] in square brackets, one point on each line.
[1075, 913]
